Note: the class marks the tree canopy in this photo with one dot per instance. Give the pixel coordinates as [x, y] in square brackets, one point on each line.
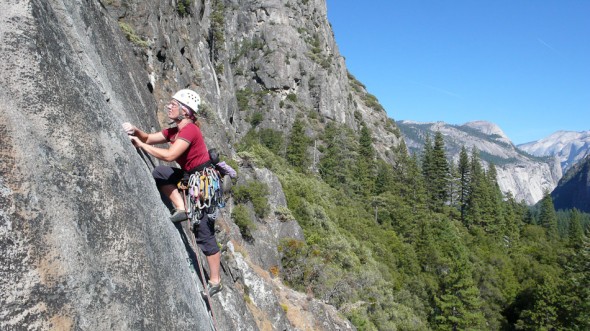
[426, 243]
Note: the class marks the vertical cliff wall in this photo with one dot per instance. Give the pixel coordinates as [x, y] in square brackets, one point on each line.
[271, 57]
[85, 240]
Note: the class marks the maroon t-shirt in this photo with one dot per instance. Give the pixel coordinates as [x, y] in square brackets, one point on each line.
[197, 152]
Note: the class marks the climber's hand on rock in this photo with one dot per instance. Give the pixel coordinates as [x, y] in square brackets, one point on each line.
[135, 141]
[129, 128]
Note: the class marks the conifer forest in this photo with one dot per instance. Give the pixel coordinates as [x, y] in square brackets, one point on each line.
[425, 243]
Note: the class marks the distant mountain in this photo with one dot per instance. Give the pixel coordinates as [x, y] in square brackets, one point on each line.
[573, 190]
[525, 176]
[568, 147]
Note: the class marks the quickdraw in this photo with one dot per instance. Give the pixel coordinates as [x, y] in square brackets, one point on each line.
[204, 190]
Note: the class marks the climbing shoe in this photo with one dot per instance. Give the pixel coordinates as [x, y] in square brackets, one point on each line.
[214, 288]
[178, 216]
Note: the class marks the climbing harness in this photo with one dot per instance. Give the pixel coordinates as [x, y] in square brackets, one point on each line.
[205, 194]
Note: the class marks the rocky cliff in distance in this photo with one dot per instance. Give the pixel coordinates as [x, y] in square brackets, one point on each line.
[573, 190]
[86, 242]
[525, 176]
[568, 147]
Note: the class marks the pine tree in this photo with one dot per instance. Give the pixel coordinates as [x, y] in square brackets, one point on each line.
[542, 312]
[440, 172]
[427, 160]
[574, 301]
[458, 303]
[408, 190]
[464, 170]
[576, 233]
[496, 223]
[548, 217]
[384, 181]
[415, 186]
[492, 176]
[454, 187]
[583, 284]
[529, 216]
[477, 194]
[435, 169]
[512, 218]
[366, 162]
[297, 149]
[330, 162]
[407, 176]
[337, 164]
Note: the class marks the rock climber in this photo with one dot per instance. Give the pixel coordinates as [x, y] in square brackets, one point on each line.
[188, 149]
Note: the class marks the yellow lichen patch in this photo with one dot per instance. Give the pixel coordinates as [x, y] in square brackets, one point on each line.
[274, 271]
[259, 271]
[50, 270]
[298, 318]
[295, 305]
[260, 317]
[239, 249]
[61, 323]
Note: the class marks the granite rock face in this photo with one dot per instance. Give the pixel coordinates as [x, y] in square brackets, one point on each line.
[568, 147]
[84, 238]
[86, 242]
[573, 190]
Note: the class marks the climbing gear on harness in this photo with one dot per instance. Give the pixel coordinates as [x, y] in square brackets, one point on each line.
[203, 194]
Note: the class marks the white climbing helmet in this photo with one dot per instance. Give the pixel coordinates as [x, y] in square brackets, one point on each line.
[188, 98]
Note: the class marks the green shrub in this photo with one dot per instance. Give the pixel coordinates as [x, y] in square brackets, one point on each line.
[206, 112]
[250, 139]
[219, 68]
[183, 7]
[132, 36]
[293, 259]
[256, 193]
[256, 118]
[242, 219]
[292, 97]
[272, 139]
[284, 214]
[243, 97]
[372, 102]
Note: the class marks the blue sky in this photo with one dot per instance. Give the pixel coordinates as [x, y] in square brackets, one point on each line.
[522, 64]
